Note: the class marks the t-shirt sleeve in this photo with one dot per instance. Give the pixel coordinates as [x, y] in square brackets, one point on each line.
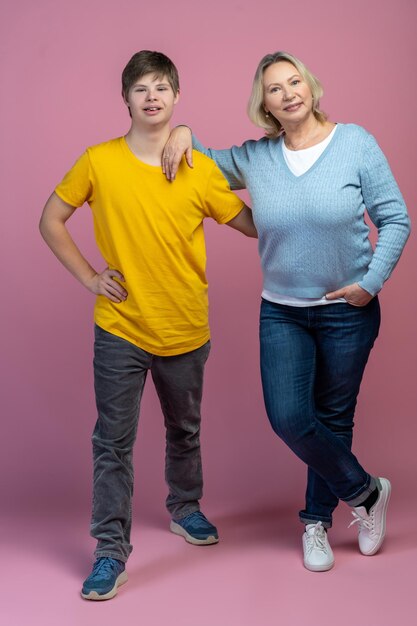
[220, 202]
[77, 185]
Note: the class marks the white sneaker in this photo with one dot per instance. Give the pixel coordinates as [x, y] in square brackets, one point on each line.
[318, 555]
[371, 527]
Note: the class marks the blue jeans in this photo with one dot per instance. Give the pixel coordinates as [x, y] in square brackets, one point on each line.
[120, 370]
[312, 363]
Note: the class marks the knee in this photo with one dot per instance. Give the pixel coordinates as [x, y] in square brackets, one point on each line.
[186, 431]
[339, 421]
[290, 428]
[117, 440]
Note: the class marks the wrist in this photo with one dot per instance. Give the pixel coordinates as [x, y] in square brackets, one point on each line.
[89, 281]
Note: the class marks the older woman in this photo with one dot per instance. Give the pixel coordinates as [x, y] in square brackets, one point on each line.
[310, 182]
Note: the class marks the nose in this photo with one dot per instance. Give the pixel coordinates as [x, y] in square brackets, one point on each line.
[288, 93]
[151, 95]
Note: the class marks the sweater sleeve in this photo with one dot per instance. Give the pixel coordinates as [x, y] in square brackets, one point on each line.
[231, 162]
[387, 210]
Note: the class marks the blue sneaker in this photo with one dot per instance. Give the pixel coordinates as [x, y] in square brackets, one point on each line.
[196, 529]
[107, 575]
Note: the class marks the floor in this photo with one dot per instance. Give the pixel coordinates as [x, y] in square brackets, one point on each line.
[253, 577]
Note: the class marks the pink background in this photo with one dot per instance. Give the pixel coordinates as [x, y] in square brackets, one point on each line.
[60, 77]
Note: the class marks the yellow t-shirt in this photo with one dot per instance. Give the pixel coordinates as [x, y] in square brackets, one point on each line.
[151, 230]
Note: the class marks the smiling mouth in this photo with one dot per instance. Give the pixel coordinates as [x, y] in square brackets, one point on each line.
[152, 109]
[292, 107]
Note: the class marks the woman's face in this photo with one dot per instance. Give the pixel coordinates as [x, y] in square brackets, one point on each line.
[286, 94]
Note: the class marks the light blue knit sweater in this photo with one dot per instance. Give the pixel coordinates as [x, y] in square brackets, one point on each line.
[312, 234]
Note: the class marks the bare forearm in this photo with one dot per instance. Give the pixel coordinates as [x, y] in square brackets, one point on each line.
[63, 246]
[243, 222]
[54, 231]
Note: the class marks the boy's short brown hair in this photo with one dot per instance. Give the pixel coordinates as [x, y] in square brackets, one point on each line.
[147, 62]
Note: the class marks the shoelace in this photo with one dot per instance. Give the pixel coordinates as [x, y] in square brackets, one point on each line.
[317, 540]
[197, 516]
[104, 566]
[358, 519]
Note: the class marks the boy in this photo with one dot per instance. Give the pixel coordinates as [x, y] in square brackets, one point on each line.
[151, 310]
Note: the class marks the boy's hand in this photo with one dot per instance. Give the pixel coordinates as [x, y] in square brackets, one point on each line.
[180, 142]
[353, 294]
[104, 285]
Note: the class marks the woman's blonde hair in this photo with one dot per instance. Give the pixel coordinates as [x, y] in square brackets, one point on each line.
[256, 111]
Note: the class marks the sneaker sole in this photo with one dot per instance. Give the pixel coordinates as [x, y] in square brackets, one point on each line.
[179, 530]
[93, 595]
[318, 568]
[375, 549]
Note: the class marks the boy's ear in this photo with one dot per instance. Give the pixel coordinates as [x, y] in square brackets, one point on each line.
[126, 103]
[177, 97]
[124, 99]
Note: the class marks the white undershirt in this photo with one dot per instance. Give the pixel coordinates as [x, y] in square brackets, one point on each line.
[299, 161]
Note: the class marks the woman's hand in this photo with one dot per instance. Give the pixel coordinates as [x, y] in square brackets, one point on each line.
[353, 294]
[103, 284]
[180, 142]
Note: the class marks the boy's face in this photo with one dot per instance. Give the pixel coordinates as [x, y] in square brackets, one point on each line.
[151, 100]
